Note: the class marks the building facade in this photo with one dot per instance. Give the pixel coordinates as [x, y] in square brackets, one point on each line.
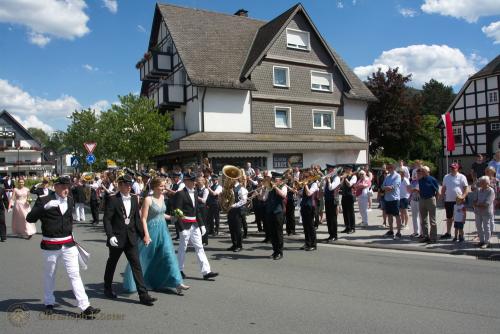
[239, 89]
[20, 153]
[475, 117]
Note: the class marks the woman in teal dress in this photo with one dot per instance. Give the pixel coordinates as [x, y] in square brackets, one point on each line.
[156, 254]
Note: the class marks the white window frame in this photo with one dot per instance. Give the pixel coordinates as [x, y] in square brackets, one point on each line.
[458, 130]
[495, 126]
[289, 116]
[324, 111]
[293, 46]
[321, 89]
[287, 85]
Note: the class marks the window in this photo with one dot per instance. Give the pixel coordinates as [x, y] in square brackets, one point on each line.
[297, 39]
[492, 97]
[321, 81]
[281, 76]
[495, 126]
[9, 143]
[282, 117]
[323, 119]
[457, 133]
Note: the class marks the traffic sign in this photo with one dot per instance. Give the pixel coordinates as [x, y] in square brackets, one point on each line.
[90, 159]
[90, 146]
[75, 162]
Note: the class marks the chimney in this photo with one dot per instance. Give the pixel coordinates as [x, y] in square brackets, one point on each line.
[241, 12]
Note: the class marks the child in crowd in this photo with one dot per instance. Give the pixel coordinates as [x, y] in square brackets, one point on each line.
[459, 213]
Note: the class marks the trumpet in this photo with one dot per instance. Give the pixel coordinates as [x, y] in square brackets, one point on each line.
[299, 185]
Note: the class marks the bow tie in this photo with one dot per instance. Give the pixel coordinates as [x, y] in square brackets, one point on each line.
[126, 197]
[62, 200]
[191, 191]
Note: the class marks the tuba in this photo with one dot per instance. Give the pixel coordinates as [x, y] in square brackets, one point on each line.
[231, 175]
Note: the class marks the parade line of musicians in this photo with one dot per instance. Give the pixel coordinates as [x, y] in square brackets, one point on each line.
[138, 206]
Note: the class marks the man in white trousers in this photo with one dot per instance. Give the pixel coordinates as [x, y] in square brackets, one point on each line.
[192, 226]
[55, 212]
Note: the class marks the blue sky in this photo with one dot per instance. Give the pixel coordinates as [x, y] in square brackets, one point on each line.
[58, 55]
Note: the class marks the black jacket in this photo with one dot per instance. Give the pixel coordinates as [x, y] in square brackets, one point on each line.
[114, 220]
[4, 200]
[39, 191]
[78, 193]
[182, 201]
[54, 223]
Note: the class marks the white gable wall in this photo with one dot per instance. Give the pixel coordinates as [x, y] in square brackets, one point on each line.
[355, 118]
[227, 110]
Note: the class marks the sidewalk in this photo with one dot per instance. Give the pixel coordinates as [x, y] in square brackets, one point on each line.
[373, 235]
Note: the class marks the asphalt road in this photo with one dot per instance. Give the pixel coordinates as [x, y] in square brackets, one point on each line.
[333, 290]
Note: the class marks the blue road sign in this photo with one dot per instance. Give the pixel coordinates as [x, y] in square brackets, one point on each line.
[90, 159]
[75, 162]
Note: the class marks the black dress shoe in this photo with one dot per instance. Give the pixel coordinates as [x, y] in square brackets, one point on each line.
[237, 249]
[278, 256]
[351, 231]
[303, 247]
[183, 275]
[310, 249]
[272, 255]
[334, 239]
[265, 241]
[49, 309]
[232, 248]
[147, 300]
[244, 236]
[345, 231]
[210, 275]
[110, 293]
[90, 312]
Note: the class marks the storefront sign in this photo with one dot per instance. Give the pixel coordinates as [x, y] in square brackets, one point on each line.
[287, 160]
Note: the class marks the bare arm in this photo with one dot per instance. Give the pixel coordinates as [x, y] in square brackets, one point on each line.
[144, 217]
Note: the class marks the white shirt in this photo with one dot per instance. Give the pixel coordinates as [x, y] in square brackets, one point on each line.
[127, 203]
[403, 190]
[405, 171]
[191, 193]
[137, 188]
[242, 196]
[455, 186]
[458, 214]
[334, 183]
[218, 190]
[203, 199]
[63, 203]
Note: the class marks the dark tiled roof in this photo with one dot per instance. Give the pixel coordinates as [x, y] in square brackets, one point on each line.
[220, 50]
[492, 67]
[212, 46]
[266, 34]
[226, 141]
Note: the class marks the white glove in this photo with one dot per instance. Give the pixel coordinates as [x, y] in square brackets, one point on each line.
[203, 230]
[51, 204]
[113, 241]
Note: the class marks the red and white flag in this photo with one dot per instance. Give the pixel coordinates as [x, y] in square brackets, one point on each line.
[450, 138]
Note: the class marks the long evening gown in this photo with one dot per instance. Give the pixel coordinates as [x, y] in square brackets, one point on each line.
[20, 210]
[158, 260]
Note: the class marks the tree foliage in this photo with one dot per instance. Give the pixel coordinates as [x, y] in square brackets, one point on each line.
[436, 98]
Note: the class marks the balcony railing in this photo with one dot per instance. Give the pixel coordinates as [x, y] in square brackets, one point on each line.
[169, 95]
[154, 65]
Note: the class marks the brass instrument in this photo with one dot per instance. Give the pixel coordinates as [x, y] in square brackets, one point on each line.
[152, 173]
[87, 176]
[299, 185]
[231, 175]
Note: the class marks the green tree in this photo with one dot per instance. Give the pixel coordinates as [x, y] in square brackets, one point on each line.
[134, 131]
[40, 135]
[83, 128]
[427, 140]
[436, 98]
[393, 120]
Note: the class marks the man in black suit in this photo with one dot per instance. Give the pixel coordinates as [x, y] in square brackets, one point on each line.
[192, 226]
[8, 185]
[55, 212]
[3, 206]
[41, 188]
[123, 227]
[94, 201]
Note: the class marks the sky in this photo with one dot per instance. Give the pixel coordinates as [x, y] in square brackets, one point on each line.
[57, 56]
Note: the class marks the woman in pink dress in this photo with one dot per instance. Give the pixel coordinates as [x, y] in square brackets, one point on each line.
[21, 208]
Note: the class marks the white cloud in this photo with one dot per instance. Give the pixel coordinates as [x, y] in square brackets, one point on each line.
[469, 10]
[33, 122]
[493, 31]
[90, 68]
[100, 105]
[340, 4]
[38, 39]
[407, 12]
[141, 28]
[48, 18]
[34, 110]
[112, 5]
[425, 62]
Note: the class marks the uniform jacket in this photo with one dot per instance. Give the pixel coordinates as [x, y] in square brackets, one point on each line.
[114, 220]
[182, 201]
[54, 223]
